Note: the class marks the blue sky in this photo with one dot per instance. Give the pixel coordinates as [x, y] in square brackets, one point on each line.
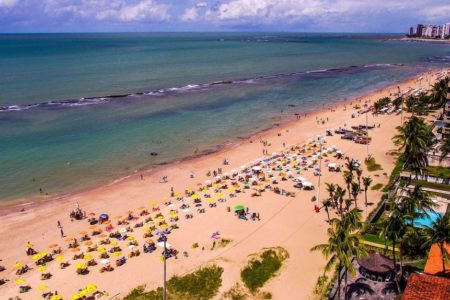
[219, 15]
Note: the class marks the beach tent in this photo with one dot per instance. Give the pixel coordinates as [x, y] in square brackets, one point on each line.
[239, 207]
[332, 166]
[307, 185]
[300, 179]
[161, 244]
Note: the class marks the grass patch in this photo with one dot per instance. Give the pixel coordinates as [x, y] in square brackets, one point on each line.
[236, 292]
[376, 187]
[202, 284]
[372, 165]
[441, 172]
[262, 267]
[375, 239]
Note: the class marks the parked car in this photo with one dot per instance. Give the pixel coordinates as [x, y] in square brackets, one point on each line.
[349, 136]
[362, 140]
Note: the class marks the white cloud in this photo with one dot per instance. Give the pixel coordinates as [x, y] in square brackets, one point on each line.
[120, 10]
[8, 3]
[190, 14]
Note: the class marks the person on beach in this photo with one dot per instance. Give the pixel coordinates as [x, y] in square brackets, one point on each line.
[60, 229]
[142, 177]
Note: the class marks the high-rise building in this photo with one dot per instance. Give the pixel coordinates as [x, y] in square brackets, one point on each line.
[419, 31]
[411, 31]
[445, 31]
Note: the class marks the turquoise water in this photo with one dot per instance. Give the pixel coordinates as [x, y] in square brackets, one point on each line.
[428, 219]
[180, 95]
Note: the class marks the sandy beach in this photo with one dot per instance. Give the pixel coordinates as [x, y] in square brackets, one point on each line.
[289, 222]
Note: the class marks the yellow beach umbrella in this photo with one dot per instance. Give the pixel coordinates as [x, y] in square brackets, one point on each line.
[87, 256]
[42, 287]
[56, 297]
[91, 287]
[19, 280]
[53, 246]
[118, 253]
[80, 266]
[29, 245]
[77, 296]
[161, 217]
[113, 243]
[37, 256]
[195, 196]
[59, 258]
[101, 249]
[219, 194]
[173, 213]
[210, 200]
[75, 249]
[42, 268]
[153, 203]
[230, 190]
[163, 226]
[131, 238]
[18, 265]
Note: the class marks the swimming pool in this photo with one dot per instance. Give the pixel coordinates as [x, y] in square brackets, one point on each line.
[428, 219]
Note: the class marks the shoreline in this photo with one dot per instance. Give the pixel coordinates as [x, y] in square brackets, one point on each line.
[32, 202]
[422, 40]
[288, 222]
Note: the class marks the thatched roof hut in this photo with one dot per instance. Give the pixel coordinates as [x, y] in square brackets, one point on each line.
[377, 263]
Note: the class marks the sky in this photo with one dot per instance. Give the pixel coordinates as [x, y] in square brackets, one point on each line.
[219, 15]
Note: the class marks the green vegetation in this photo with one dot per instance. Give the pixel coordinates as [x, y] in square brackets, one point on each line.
[372, 165]
[194, 245]
[324, 285]
[419, 265]
[376, 187]
[441, 172]
[223, 243]
[373, 238]
[202, 284]
[262, 267]
[236, 292]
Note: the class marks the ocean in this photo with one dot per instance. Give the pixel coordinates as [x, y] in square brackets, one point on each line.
[81, 110]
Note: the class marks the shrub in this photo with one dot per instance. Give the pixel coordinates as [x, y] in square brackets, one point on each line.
[263, 267]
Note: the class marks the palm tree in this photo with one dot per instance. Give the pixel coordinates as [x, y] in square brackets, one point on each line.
[339, 195]
[367, 181]
[393, 229]
[444, 147]
[415, 139]
[331, 188]
[439, 93]
[416, 203]
[355, 192]
[358, 175]
[439, 233]
[348, 178]
[327, 203]
[344, 242]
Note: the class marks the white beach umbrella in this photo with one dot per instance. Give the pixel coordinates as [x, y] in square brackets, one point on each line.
[161, 244]
[104, 261]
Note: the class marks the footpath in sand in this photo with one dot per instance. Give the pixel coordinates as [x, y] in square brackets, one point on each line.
[289, 222]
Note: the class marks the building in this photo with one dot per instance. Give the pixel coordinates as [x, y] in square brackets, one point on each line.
[423, 286]
[419, 30]
[411, 31]
[433, 265]
[445, 31]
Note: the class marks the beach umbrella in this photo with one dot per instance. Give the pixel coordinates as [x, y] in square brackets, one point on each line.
[131, 247]
[59, 258]
[91, 214]
[93, 227]
[219, 195]
[230, 190]
[18, 265]
[88, 243]
[87, 256]
[69, 239]
[83, 232]
[173, 212]
[239, 207]
[91, 287]
[103, 216]
[37, 256]
[210, 200]
[19, 280]
[114, 243]
[42, 268]
[101, 249]
[195, 196]
[80, 265]
[161, 244]
[131, 238]
[56, 297]
[141, 207]
[53, 246]
[75, 249]
[123, 230]
[42, 287]
[104, 261]
[29, 245]
[118, 253]
[118, 217]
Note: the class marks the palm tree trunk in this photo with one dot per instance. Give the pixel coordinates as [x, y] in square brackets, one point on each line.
[339, 280]
[365, 191]
[345, 287]
[328, 213]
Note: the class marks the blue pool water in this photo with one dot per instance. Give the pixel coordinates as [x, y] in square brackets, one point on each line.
[427, 220]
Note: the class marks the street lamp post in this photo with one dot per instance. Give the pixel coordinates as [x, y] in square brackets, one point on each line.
[164, 237]
[320, 173]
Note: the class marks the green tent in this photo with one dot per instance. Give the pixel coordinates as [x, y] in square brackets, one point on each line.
[239, 207]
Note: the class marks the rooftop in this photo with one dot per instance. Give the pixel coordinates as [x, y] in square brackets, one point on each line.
[434, 261]
[423, 286]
